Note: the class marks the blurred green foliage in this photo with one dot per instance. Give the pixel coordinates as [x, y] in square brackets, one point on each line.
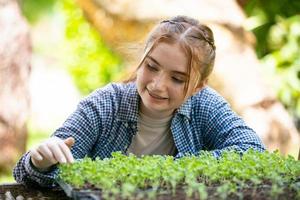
[91, 62]
[276, 25]
[33, 10]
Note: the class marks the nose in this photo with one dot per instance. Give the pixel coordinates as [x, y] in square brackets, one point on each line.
[159, 82]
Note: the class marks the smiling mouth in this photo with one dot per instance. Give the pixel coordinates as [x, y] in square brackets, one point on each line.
[156, 96]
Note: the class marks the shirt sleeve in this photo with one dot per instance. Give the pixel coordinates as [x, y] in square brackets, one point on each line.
[27, 174]
[225, 130]
[84, 125]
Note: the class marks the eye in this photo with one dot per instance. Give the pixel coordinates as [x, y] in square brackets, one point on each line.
[151, 67]
[178, 80]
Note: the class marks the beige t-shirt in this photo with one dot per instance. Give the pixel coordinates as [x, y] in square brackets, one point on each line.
[154, 137]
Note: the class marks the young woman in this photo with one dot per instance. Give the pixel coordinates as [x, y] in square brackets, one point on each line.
[165, 108]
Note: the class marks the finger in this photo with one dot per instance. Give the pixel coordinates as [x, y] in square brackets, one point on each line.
[69, 142]
[46, 153]
[56, 151]
[34, 154]
[66, 151]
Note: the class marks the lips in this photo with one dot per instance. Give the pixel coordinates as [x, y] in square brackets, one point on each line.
[156, 96]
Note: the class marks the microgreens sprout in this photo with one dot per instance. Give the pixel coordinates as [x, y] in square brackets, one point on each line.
[131, 177]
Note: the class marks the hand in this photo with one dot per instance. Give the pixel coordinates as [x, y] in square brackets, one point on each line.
[52, 151]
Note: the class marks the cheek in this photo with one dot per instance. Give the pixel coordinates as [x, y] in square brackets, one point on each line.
[177, 92]
[142, 76]
[140, 79]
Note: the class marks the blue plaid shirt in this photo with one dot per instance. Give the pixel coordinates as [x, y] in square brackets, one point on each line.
[106, 121]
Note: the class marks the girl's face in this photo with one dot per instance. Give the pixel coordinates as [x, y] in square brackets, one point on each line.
[161, 79]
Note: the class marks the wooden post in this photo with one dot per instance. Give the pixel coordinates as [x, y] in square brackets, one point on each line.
[15, 52]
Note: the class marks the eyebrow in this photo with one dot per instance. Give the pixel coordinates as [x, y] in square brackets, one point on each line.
[156, 62]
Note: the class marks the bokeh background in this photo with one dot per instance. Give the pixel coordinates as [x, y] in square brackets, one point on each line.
[53, 53]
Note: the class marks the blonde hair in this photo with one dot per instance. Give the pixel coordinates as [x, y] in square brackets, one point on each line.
[196, 40]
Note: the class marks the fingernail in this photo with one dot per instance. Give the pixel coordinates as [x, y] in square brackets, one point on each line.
[39, 157]
[63, 160]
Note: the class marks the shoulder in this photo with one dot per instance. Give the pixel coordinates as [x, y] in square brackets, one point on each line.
[208, 102]
[111, 90]
[110, 95]
[208, 96]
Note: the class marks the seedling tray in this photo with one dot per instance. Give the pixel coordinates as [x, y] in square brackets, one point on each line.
[254, 176]
[260, 193]
[79, 194]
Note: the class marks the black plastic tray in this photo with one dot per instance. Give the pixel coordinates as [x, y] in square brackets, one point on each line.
[78, 194]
